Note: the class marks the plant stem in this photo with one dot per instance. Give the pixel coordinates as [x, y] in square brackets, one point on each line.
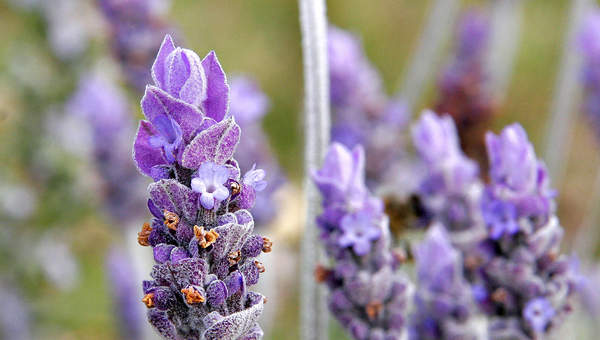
[506, 18]
[313, 314]
[559, 130]
[588, 233]
[437, 28]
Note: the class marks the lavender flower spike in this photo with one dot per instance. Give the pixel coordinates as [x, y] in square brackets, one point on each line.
[525, 283]
[362, 112]
[450, 190]
[589, 46]
[136, 27]
[201, 232]
[463, 90]
[367, 294]
[444, 305]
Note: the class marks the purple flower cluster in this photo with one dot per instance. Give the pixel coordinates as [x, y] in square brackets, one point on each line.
[589, 45]
[507, 231]
[105, 107]
[367, 294]
[121, 275]
[525, 283]
[201, 230]
[462, 87]
[450, 190]
[248, 104]
[444, 305]
[362, 112]
[136, 27]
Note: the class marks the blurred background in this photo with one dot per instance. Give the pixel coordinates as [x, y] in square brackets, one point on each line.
[60, 218]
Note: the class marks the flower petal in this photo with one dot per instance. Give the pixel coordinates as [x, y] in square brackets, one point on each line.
[217, 91]
[145, 155]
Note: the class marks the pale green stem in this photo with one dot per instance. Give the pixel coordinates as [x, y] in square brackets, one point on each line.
[438, 28]
[313, 314]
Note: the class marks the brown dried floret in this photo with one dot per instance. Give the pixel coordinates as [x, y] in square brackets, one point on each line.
[205, 238]
[260, 266]
[171, 220]
[148, 300]
[234, 257]
[144, 235]
[267, 245]
[192, 296]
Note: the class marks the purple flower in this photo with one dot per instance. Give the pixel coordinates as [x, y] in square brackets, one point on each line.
[444, 304]
[169, 137]
[201, 229]
[358, 232]
[450, 189]
[201, 83]
[256, 179]
[528, 284]
[516, 174]
[500, 216]
[362, 112]
[124, 287]
[136, 27]
[473, 34]
[538, 313]
[104, 107]
[589, 46]
[247, 103]
[513, 164]
[367, 294]
[589, 36]
[462, 87]
[209, 183]
[435, 137]
[341, 178]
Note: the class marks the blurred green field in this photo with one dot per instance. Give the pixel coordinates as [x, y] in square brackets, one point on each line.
[261, 38]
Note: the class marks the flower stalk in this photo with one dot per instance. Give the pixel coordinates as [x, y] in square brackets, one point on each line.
[317, 121]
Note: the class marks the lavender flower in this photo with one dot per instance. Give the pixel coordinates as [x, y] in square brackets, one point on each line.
[367, 294]
[122, 280]
[589, 45]
[444, 305]
[525, 283]
[462, 87]
[15, 314]
[136, 27]
[450, 190]
[248, 104]
[362, 113]
[201, 230]
[105, 108]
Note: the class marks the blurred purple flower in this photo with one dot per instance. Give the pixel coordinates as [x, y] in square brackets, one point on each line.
[362, 112]
[463, 90]
[136, 27]
[367, 294]
[248, 105]
[589, 46]
[358, 232]
[445, 308]
[105, 109]
[528, 283]
[538, 313]
[125, 291]
[450, 189]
